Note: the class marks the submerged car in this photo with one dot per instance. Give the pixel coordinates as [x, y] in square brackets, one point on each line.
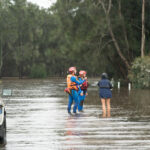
[2, 123]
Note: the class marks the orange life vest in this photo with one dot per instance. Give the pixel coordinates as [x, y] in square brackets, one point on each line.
[71, 85]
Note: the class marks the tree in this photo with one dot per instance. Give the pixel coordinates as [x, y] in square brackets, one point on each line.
[95, 35]
[107, 13]
[143, 29]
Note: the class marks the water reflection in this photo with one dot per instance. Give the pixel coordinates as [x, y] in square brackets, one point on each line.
[71, 133]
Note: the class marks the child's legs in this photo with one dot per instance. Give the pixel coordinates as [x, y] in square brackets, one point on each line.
[108, 106]
[103, 107]
[70, 101]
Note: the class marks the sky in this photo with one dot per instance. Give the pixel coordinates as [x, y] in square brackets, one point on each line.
[43, 3]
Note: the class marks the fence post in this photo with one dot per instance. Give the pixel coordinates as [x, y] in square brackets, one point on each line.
[119, 85]
[129, 86]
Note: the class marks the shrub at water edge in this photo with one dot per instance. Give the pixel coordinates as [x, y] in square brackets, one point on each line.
[140, 72]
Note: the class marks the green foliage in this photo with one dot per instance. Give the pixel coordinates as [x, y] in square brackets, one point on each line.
[38, 71]
[140, 73]
[70, 33]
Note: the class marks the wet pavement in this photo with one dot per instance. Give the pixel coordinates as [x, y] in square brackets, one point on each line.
[37, 119]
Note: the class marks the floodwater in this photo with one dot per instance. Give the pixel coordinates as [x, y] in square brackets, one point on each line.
[37, 118]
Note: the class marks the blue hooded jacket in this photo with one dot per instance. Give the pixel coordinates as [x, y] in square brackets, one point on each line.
[105, 88]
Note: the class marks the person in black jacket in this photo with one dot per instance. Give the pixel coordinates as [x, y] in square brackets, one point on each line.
[105, 93]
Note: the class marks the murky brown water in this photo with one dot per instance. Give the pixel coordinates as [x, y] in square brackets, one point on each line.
[37, 119]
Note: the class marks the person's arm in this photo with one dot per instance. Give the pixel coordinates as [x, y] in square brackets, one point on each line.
[73, 79]
[79, 79]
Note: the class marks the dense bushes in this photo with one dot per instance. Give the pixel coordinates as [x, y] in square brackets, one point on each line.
[140, 72]
[38, 71]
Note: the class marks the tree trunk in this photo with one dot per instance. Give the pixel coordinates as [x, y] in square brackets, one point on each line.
[117, 47]
[1, 58]
[143, 29]
[124, 29]
[107, 12]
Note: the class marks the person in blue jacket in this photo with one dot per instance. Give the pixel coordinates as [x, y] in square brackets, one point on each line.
[105, 93]
[83, 93]
[73, 86]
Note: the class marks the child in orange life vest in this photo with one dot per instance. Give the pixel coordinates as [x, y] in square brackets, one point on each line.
[83, 93]
[73, 86]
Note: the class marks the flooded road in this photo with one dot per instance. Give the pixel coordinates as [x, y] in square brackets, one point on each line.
[37, 118]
